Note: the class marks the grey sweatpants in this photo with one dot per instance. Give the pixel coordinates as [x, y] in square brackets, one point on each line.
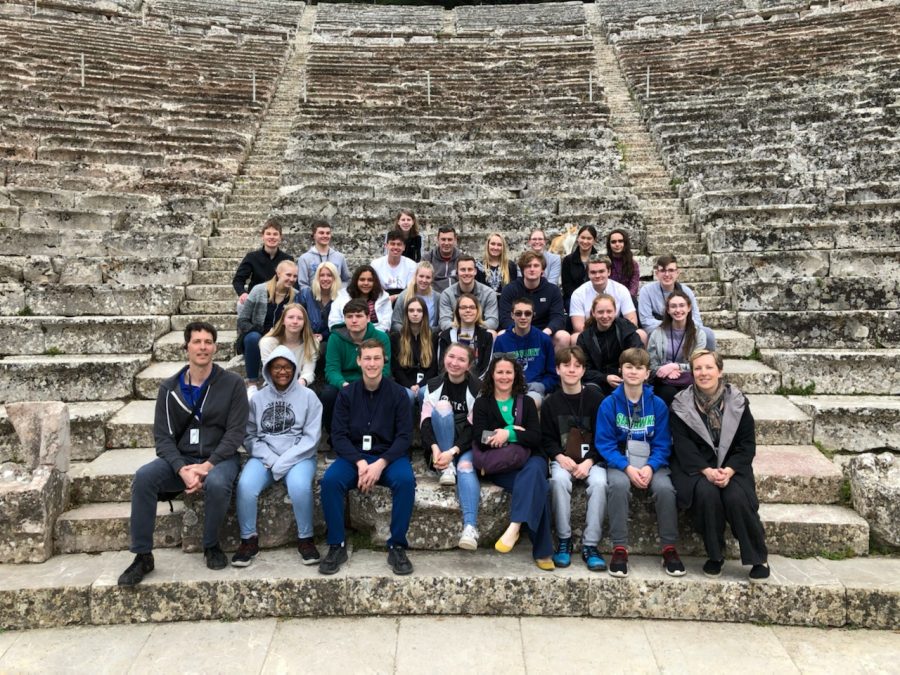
[662, 492]
[561, 495]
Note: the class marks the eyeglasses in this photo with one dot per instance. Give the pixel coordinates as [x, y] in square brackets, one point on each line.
[525, 313]
[668, 270]
[281, 369]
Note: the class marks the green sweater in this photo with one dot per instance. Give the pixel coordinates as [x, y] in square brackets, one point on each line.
[341, 353]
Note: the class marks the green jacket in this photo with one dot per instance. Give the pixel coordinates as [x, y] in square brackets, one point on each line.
[341, 353]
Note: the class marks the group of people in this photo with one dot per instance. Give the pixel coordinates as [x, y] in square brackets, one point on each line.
[510, 379]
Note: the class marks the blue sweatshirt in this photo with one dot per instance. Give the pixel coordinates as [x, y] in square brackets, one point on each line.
[535, 354]
[385, 414]
[614, 423]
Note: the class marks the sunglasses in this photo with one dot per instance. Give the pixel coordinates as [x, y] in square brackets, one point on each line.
[524, 313]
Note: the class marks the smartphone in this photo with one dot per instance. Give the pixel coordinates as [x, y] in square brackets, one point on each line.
[486, 436]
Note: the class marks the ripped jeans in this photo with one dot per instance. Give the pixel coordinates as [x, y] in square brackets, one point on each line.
[468, 489]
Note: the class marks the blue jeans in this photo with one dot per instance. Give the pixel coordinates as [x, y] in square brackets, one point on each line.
[343, 475]
[468, 489]
[530, 503]
[256, 477]
[252, 360]
[159, 476]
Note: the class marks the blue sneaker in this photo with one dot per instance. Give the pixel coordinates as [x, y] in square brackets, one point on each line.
[563, 555]
[593, 559]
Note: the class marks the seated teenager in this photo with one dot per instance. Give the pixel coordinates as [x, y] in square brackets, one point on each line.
[447, 434]
[574, 265]
[652, 298]
[468, 330]
[320, 252]
[603, 340]
[341, 367]
[292, 331]
[395, 271]
[408, 225]
[625, 268]
[371, 436]
[420, 287]
[495, 269]
[504, 415]
[257, 267]
[258, 315]
[580, 306]
[282, 436]
[671, 346]
[465, 283]
[714, 438]
[537, 242]
[633, 438]
[549, 315]
[316, 300]
[568, 418]
[532, 348]
[364, 285]
[414, 351]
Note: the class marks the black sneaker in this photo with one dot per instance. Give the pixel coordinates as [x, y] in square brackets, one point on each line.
[398, 561]
[713, 568]
[143, 564]
[759, 572]
[246, 552]
[336, 556]
[672, 563]
[618, 565]
[215, 558]
[307, 549]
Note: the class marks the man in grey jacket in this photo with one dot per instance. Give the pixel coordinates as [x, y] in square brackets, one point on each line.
[201, 415]
[465, 274]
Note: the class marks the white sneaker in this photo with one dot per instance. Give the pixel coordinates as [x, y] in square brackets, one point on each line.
[468, 540]
[448, 476]
[251, 389]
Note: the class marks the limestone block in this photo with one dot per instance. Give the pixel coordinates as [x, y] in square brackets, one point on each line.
[48, 218]
[771, 266]
[86, 430]
[9, 216]
[14, 241]
[12, 269]
[796, 474]
[39, 269]
[43, 431]
[71, 378]
[95, 528]
[875, 490]
[855, 263]
[86, 300]
[30, 503]
[822, 329]
[774, 238]
[12, 299]
[132, 426]
[838, 371]
[854, 423]
[872, 587]
[831, 293]
[80, 335]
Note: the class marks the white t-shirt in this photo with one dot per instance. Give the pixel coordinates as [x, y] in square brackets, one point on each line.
[394, 278]
[584, 295]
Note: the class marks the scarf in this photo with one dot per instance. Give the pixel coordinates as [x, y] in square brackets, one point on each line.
[712, 408]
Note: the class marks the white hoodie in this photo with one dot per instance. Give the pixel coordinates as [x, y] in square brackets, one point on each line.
[284, 426]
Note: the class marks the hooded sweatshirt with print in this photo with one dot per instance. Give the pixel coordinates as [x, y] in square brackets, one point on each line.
[284, 426]
[614, 424]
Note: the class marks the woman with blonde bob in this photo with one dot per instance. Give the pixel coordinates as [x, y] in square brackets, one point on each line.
[420, 287]
[317, 298]
[496, 269]
[293, 331]
[714, 443]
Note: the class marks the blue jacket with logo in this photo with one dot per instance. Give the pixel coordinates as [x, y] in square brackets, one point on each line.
[614, 424]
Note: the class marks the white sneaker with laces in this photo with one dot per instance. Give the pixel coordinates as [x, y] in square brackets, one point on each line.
[468, 540]
[448, 476]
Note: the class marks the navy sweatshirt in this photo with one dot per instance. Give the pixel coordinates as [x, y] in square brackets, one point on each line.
[385, 414]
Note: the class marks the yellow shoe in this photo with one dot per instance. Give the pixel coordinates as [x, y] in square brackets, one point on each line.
[504, 548]
[545, 564]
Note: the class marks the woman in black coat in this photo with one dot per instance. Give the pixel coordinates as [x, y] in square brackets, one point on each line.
[494, 412]
[714, 442]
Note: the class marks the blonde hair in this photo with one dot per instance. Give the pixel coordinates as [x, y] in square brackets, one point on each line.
[457, 321]
[426, 351]
[310, 346]
[273, 282]
[411, 287]
[697, 353]
[335, 285]
[504, 257]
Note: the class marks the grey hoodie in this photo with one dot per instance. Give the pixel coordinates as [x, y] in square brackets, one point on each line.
[284, 426]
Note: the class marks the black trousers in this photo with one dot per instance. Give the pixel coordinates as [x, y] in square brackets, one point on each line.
[714, 506]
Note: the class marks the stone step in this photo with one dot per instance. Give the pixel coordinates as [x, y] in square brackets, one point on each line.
[751, 377]
[213, 306]
[853, 423]
[96, 528]
[170, 347]
[146, 382]
[208, 292]
[108, 477]
[81, 589]
[131, 426]
[838, 371]
[96, 377]
[729, 343]
[87, 429]
[796, 474]
[706, 303]
[779, 421]
[664, 247]
[214, 277]
[80, 335]
[222, 322]
[723, 318]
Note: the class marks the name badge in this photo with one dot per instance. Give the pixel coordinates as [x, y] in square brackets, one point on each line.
[195, 436]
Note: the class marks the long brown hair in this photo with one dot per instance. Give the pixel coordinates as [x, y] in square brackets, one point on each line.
[310, 346]
[690, 330]
[426, 343]
[627, 256]
[518, 385]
